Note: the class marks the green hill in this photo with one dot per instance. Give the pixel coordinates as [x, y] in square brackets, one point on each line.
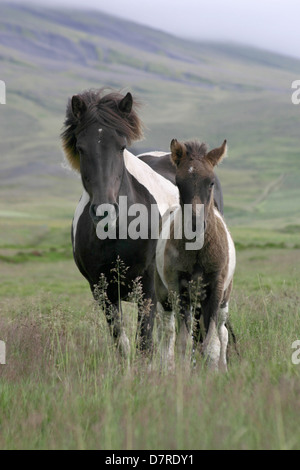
[189, 90]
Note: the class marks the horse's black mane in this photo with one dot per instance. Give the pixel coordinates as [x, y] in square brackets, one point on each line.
[103, 109]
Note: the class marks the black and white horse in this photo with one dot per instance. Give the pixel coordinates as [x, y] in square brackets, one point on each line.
[97, 130]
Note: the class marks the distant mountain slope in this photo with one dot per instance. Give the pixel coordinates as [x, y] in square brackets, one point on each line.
[189, 89]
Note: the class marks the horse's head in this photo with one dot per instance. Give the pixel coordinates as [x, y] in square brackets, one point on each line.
[195, 173]
[98, 129]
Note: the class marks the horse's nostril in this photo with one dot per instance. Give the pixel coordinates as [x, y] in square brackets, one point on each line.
[93, 210]
[116, 205]
[98, 212]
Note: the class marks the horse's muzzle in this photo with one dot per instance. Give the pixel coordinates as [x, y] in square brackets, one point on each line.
[99, 212]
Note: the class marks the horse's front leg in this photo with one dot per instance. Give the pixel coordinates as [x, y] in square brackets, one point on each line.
[166, 336]
[146, 313]
[114, 318]
[184, 337]
[113, 314]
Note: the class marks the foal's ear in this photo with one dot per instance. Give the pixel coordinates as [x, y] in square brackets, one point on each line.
[78, 106]
[177, 151]
[125, 105]
[215, 156]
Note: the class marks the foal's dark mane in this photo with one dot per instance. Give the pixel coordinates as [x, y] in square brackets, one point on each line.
[196, 149]
[102, 109]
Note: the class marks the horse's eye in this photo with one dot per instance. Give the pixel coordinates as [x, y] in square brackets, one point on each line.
[123, 148]
[212, 184]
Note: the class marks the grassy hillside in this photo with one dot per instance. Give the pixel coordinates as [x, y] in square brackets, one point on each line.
[189, 89]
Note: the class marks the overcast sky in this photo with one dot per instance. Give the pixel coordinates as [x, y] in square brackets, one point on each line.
[269, 24]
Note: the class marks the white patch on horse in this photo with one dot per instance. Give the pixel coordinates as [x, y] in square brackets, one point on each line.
[231, 252]
[166, 336]
[223, 335]
[161, 247]
[165, 193]
[100, 131]
[212, 346]
[84, 200]
[191, 169]
[154, 154]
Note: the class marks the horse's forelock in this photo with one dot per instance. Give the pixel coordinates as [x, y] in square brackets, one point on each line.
[103, 109]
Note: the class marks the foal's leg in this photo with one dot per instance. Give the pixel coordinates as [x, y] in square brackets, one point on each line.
[212, 346]
[166, 336]
[223, 335]
[212, 343]
[222, 330]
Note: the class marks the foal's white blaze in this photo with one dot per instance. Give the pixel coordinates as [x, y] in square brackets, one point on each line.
[191, 169]
[231, 252]
[165, 193]
[84, 200]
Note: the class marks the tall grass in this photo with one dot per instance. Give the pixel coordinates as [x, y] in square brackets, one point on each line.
[65, 386]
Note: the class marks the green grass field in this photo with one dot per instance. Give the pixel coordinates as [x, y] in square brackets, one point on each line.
[65, 387]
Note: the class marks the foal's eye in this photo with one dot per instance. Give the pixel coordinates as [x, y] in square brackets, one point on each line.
[212, 184]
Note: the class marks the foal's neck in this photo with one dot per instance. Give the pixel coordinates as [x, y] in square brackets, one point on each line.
[211, 221]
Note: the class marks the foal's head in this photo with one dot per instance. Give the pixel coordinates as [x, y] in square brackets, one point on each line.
[195, 172]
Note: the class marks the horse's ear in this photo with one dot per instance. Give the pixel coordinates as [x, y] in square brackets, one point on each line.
[215, 156]
[78, 106]
[177, 151]
[125, 105]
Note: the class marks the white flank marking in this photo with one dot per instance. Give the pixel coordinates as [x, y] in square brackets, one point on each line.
[78, 212]
[232, 256]
[165, 193]
[154, 154]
